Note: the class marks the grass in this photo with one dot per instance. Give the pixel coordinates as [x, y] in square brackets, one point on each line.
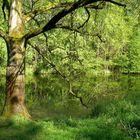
[101, 128]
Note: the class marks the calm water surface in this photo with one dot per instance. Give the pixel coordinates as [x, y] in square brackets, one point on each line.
[48, 97]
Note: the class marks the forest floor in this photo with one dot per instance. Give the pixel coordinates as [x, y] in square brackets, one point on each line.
[99, 128]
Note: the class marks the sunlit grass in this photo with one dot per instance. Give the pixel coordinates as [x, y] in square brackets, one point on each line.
[101, 128]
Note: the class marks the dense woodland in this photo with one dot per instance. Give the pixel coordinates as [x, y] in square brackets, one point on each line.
[99, 40]
[70, 69]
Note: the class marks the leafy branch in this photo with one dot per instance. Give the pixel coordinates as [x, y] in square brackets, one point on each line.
[68, 8]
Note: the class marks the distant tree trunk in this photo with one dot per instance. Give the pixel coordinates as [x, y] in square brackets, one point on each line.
[15, 72]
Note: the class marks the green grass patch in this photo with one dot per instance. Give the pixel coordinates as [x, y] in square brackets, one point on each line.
[101, 128]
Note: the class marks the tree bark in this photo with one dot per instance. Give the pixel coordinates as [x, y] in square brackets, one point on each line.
[15, 72]
[15, 80]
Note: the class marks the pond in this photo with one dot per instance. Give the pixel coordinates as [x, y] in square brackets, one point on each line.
[48, 96]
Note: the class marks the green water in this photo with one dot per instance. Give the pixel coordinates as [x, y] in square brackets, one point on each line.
[49, 97]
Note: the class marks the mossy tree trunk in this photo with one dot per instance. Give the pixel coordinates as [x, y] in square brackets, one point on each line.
[15, 72]
[15, 79]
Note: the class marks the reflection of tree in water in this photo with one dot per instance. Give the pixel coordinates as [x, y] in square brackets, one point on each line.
[49, 94]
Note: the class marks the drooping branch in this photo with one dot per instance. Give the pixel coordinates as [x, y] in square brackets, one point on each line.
[44, 34]
[65, 11]
[79, 31]
[46, 59]
[59, 26]
[86, 19]
[60, 73]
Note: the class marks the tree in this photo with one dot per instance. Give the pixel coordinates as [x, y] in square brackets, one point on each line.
[17, 37]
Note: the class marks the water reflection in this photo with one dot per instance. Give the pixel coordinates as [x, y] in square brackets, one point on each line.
[47, 96]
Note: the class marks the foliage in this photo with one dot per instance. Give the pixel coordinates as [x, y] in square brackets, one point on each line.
[108, 42]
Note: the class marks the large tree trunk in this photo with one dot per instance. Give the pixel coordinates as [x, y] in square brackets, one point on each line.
[15, 74]
[15, 80]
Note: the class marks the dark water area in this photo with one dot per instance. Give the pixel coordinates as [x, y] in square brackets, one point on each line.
[48, 97]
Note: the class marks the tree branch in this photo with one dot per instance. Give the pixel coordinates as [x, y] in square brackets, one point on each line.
[29, 15]
[86, 19]
[62, 75]
[79, 31]
[65, 11]
[46, 59]
[75, 95]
